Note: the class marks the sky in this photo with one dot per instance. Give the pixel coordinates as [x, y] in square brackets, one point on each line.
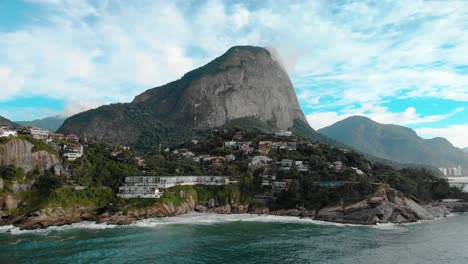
[399, 62]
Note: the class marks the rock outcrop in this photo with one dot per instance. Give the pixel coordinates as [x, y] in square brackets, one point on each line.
[19, 153]
[385, 206]
[245, 86]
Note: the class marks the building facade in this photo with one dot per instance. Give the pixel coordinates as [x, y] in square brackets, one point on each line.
[148, 186]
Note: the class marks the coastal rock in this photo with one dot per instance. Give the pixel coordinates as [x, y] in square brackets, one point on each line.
[157, 210]
[226, 209]
[19, 153]
[386, 205]
[10, 202]
[200, 208]
[260, 211]
[17, 187]
[240, 209]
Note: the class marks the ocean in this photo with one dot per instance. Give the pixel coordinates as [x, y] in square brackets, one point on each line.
[210, 238]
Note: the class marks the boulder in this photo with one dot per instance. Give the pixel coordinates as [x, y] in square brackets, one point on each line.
[386, 205]
[10, 202]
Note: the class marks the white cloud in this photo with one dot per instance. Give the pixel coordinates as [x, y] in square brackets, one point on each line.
[456, 134]
[78, 106]
[338, 53]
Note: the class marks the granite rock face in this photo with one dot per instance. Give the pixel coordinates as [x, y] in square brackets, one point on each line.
[246, 82]
[385, 206]
[19, 153]
[245, 86]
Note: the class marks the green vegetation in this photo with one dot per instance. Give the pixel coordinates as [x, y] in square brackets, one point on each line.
[68, 196]
[97, 167]
[103, 167]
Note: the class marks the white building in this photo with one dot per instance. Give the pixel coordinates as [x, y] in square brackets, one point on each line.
[452, 171]
[358, 171]
[260, 161]
[171, 181]
[284, 134]
[148, 186]
[5, 132]
[72, 151]
[139, 191]
[301, 165]
[38, 133]
[279, 186]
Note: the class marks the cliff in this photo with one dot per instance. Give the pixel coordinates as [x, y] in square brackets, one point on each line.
[245, 87]
[19, 153]
[385, 206]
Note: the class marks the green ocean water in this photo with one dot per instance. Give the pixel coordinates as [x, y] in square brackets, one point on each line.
[207, 238]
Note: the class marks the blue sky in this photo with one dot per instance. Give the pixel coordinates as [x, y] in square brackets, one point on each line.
[401, 62]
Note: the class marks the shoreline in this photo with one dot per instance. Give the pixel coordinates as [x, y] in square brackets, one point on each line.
[384, 206]
[298, 216]
[198, 218]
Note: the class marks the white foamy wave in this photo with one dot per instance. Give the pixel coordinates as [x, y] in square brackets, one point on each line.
[206, 219]
[80, 225]
[6, 228]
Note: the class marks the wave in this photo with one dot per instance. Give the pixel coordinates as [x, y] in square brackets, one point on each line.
[206, 219]
[80, 225]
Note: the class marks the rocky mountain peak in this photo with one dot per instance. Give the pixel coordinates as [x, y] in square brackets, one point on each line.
[245, 86]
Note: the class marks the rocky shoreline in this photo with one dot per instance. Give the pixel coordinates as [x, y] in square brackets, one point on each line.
[385, 206]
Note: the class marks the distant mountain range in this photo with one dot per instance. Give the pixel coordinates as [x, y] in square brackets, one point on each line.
[465, 149]
[51, 123]
[396, 143]
[6, 122]
[246, 86]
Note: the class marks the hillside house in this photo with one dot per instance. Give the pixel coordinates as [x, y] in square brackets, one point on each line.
[72, 138]
[246, 147]
[217, 160]
[231, 144]
[301, 165]
[72, 151]
[171, 181]
[358, 171]
[35, 132]
[279, 186]
[187, 155]
[264, 147]
[6, 132]
[336, 166]
[284, 134]
[280, 145]
[285, 164]
[260, 161]
[230, 157]
[57, 136]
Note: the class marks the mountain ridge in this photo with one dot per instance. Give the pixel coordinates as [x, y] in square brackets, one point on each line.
[51, 123]
[6, 122]
[396, 143]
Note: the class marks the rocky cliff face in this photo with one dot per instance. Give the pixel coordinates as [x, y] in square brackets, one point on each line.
[385, 206]
[245, 86]
[19, 153]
